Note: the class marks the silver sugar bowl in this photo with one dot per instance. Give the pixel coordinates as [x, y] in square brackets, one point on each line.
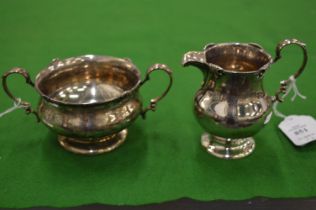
[89, 101]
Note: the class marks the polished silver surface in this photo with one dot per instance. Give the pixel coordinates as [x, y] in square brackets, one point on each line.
[232, 105]
[90, 92]
[89, 101]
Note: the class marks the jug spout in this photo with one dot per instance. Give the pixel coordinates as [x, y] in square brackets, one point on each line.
[196, 59]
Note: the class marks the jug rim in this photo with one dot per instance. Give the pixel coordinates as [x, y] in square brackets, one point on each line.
[58, 64]
[252, 45]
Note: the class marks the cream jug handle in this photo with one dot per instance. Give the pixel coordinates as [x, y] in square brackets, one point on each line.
[154, 101]
[25, 105]
[284, 83]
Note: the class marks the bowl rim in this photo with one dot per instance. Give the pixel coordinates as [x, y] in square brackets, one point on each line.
[56, 64]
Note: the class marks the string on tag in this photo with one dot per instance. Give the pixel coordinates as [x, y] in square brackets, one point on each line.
[17, 105]
[291, 86]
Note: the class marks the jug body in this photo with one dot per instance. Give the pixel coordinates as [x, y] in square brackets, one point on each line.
[236, 107]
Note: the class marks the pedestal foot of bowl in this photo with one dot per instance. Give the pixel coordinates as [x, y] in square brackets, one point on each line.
[93, 146]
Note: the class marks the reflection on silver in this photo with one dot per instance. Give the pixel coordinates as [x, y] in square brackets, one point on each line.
[87, 93]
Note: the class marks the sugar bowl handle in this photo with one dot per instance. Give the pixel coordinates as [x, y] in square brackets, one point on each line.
[154, 101]
[25, 105]
[284, 83]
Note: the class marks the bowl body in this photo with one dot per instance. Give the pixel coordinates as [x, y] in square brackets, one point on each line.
[89, 97]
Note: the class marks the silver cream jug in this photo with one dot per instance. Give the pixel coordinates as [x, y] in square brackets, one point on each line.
[232, 105]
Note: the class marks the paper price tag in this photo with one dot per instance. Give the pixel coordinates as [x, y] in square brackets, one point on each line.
[300, 129]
